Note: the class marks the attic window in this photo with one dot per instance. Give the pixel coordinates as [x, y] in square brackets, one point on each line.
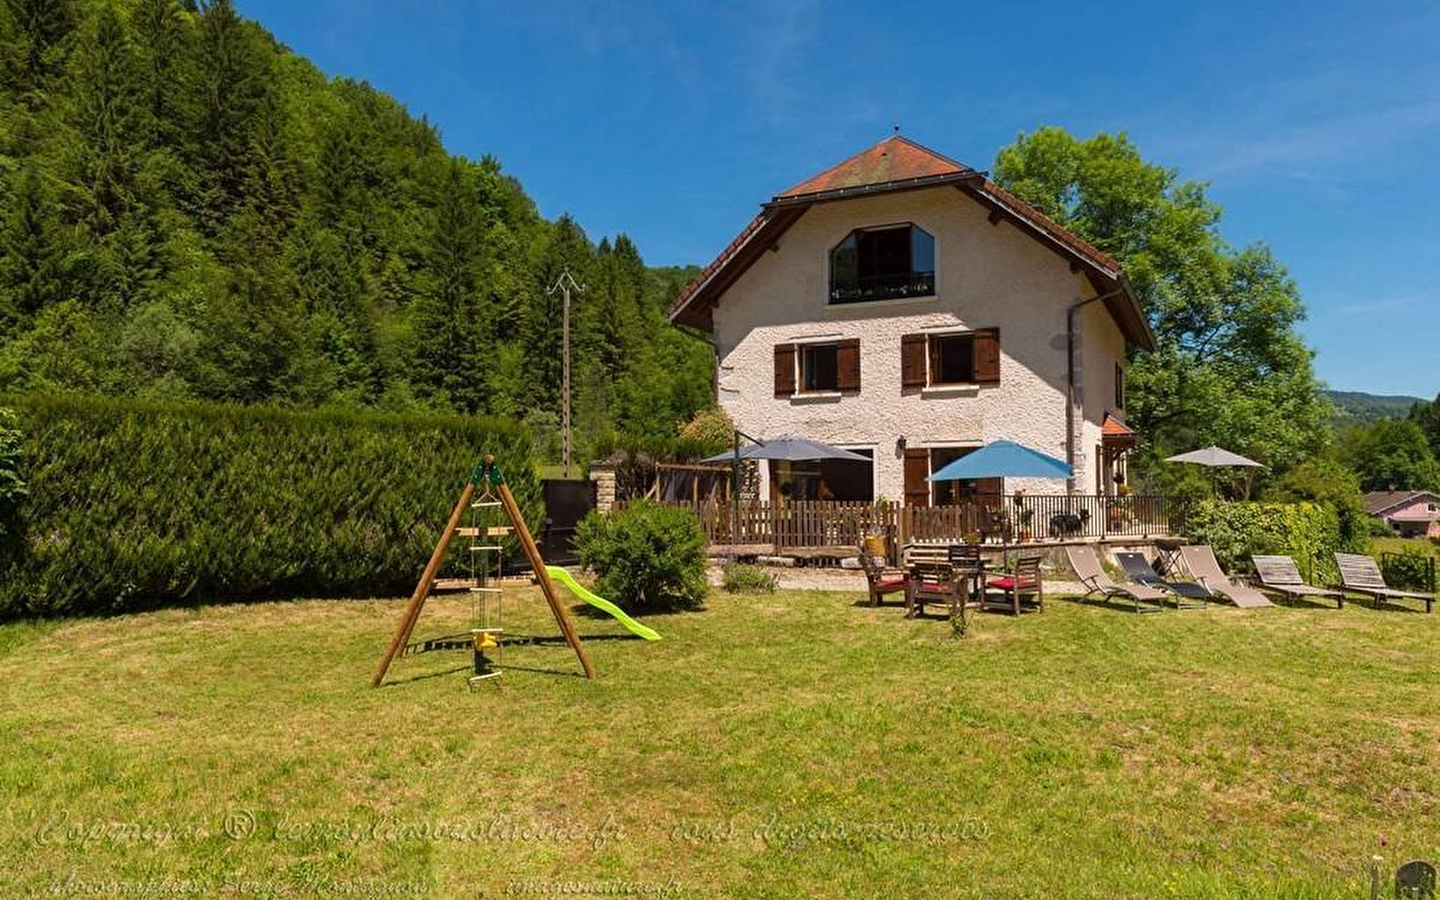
[883, 264]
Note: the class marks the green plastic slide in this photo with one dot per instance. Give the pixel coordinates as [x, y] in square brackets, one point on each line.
[601, 603]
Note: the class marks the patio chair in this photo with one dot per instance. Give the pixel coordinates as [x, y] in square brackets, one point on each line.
[1361, 575]
[1280, 574]
[1023, 582]
[881, 577]
[940, 575]
[1139, 569]
[1097, 581]
[1205, 568]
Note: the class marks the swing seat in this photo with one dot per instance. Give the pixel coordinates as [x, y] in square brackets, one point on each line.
[487, 638]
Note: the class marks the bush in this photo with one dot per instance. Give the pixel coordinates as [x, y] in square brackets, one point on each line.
[1308, 532]
[12, 485]
[738, 578]
[135, 504]
[647, 556]
[1411, 569]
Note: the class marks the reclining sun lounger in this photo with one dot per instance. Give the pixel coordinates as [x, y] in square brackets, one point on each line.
[1205, 568]
[1279, 574]
[1362, 575]
[1091, 574]
[1139, 569]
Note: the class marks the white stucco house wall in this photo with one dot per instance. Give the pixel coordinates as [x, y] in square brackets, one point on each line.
[901, 305]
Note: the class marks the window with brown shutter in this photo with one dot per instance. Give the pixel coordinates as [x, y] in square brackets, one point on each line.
[939, 360]
[784, 370]
[847, 364]
[912, 360]
[987, 356]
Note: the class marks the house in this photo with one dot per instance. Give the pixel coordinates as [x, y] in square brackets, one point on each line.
[903, 306]
[1410, 513]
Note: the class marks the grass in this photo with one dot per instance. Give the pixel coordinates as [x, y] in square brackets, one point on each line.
[772, 746]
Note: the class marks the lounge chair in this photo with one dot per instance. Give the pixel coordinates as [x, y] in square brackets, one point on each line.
[1361, 575]
[1021, 583]
[1139, 569]
[1097, 581]
[1279, 574]
[1205, 568]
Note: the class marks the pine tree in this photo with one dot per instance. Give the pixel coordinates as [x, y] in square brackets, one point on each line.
[450, 317]
[229, 85]
[105, 133]
[160, 36]
[37, 266]
[34, 51]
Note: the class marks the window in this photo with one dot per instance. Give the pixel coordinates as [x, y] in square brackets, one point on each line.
[952, 359]
[819, 367]
[1119, 386]
[883, 264]
[958, 358]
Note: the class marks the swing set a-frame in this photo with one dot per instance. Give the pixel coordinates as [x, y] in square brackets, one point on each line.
[484, 490]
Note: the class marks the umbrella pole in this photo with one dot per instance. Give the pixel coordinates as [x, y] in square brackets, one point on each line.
[735, 497]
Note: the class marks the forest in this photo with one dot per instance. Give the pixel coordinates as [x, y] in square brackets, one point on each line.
[193, 211]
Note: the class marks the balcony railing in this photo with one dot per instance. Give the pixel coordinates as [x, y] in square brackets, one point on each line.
[883, 287]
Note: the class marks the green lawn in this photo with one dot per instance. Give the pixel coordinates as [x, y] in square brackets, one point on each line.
[770, 747]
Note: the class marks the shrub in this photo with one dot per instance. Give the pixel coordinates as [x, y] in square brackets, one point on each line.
[12, 485]
[647, 556]
[134, 504]
[1410, 569]
[1308, 532]
[738, 578]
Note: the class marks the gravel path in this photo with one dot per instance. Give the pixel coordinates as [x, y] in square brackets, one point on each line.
[828, 579]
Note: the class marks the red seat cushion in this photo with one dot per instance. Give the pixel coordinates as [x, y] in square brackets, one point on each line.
[1007, 582]
[932, 586]
[893, 584]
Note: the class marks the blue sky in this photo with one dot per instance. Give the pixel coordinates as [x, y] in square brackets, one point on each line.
[1317, 124]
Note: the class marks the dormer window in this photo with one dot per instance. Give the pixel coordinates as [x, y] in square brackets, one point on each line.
[883, 264]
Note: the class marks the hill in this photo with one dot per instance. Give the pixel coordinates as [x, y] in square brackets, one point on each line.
[1360, 408]
[192, 210]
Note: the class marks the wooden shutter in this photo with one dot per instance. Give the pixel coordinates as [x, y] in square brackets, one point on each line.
[917, 469]
[847, 364]
[784, 370]
[987, 356]
[912, 360]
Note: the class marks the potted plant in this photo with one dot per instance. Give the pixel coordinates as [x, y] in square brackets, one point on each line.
[1025, 515]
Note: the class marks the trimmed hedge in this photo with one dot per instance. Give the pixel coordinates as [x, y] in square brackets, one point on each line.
[137, 504]
[1308, 532]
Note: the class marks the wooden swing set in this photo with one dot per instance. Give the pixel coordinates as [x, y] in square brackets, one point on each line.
[494, 493]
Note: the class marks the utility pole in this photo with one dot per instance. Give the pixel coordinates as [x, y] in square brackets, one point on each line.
[565, 284]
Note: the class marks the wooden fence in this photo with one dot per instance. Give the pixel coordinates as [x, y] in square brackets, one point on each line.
[815, 524]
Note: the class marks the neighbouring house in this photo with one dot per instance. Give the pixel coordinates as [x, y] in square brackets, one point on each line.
[1410, 513]
[903, 306]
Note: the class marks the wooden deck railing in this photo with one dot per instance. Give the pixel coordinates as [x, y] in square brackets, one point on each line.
[1035, 518]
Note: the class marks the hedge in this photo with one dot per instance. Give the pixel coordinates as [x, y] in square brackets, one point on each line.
[136, 504]
[1308, 532]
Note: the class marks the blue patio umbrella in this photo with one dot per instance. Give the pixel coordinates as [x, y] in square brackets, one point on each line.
[1003, 459]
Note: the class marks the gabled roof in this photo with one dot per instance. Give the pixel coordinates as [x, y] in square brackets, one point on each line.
[893, 160]
[899, 164]
[1380, 502]
[1115, 429]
